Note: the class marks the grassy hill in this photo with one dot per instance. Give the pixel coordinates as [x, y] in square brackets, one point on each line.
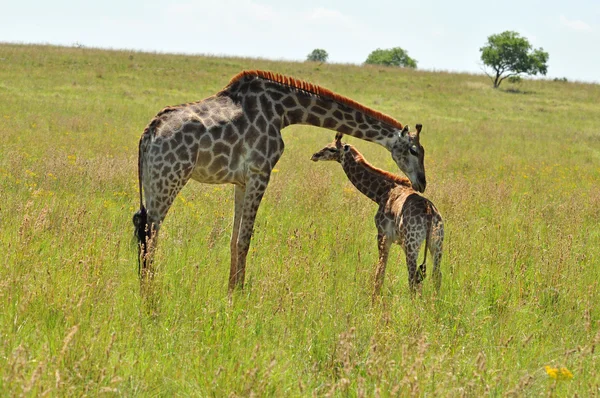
[513, 171]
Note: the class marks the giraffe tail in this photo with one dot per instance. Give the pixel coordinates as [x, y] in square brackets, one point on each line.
[423, 266]
[140, 218]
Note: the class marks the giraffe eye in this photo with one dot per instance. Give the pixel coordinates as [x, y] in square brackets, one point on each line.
[413, 150]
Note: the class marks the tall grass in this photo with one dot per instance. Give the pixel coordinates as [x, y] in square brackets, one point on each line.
[513, 171]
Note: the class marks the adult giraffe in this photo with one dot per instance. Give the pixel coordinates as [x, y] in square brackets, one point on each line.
[234, 137]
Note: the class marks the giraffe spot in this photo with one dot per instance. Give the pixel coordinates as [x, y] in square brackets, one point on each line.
[165, 171]
[338, 115]
[221, 148]
[204, 158]
[266, 105]
[190, 128]
[251, 135]
[188, 139]
[279, 109]
[251, 108]
[261, 123]
[275, 95]
[218, 163]
[176, 140]
[330, 123]
[206, 141]
[305, 101]
[289, 102]
[255, 87]
[313, 120]
[351, 123]
[345, 129]
[371, 133]
[296, 116]
[273, 132]
[319, 111]
[258, 159]
[261, 146]
[182, 153]
[170, 157]
[359, 118]
[230, 135]
[194, 150]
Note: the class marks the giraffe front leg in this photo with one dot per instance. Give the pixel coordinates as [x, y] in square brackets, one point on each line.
[255, 190]
[240, 192]
[161, 183]
[383, 244]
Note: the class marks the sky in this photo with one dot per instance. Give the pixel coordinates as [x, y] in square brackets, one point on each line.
[441, 35]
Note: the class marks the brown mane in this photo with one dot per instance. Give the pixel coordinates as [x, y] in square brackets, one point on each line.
[317, 90]
[390, 176]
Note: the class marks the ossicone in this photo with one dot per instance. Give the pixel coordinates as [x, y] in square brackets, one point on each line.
[338, 140]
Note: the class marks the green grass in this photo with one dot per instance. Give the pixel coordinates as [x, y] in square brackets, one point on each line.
[513, 171]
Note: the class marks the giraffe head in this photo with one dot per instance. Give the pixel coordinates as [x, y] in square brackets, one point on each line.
[332, 151]
[409, 155]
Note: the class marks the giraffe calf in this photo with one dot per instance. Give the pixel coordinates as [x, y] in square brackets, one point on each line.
[403, 217]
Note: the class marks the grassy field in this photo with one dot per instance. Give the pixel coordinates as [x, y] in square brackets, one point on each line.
[514, 172]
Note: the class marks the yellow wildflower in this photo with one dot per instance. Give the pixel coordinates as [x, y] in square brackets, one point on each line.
[558, 374]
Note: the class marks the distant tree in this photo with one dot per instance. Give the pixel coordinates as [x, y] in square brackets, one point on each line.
[318, 55]
[391, 57]
[508, 54]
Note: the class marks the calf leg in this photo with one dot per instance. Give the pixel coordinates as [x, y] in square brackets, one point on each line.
[383, 244]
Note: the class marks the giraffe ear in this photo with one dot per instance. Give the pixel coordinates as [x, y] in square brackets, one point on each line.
[404, 131]
[419, 128]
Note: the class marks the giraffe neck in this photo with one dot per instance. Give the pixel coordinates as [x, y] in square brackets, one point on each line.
[372, 182]
[296, 102]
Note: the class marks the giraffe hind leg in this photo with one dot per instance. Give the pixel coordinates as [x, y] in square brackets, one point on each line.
[142, 233]
[436, 249]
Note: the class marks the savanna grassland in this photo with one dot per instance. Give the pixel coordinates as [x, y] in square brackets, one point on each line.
[514, 172]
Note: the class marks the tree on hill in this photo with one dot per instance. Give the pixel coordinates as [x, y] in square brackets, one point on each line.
[318, 55]
[508, 54]
[391, 57]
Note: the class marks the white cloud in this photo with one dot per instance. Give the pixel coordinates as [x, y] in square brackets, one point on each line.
[263, 12]
[322, 14]
[575, 24]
